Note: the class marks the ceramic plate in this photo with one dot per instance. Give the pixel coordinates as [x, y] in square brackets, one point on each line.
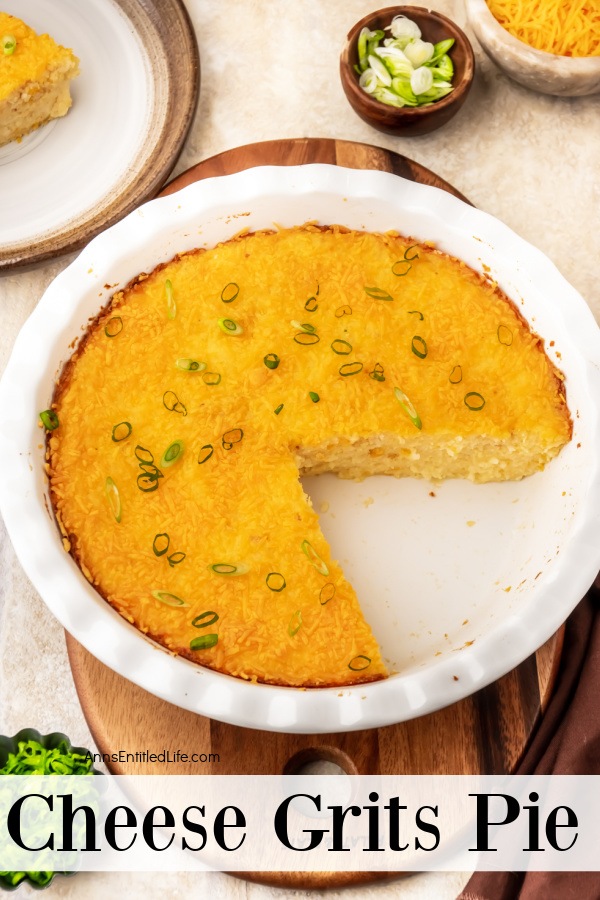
[459, 587]
[68, 180]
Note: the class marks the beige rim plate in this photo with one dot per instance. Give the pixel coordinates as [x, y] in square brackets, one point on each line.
[133, 104]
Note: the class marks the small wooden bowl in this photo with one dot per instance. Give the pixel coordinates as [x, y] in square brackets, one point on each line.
[408, 121]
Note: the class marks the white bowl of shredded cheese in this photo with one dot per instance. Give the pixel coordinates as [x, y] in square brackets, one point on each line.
[540, 22]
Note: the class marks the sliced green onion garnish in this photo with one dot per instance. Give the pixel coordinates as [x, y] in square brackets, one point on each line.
[342, 348]
[401, 267]
[121, 431]
[474, 401]
[455, 375]
[169, 599]
[305, 338]
[505, 335]
[49, 419]
[230, 292]
[113, 326]
[377, 373]
[230, 327]
[9, 43]
[275, 582]
[171, 305]
[172, 402]
[160, 544]
[314, 396]
[350, 369]
[147, 483]
[303, 326]
[204, 642]
[408, 408]
[327, 593]
[278, 409]
[114, 498]
[413, 255]
[314, 558]
[205, 453]
[295, 623]
[416, 312]
[172, 454]
[151, 469]
[377, 293]
[419, 347]
[175, 558]
[205, 619]
[232, 437]
[343, 311]
[190, 365]
[311, 304]
[271, 360]
[211, 378]
[143, 455]
[359, 663]
[229, 569]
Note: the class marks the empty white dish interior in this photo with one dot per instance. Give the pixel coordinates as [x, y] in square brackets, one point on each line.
[459, 587]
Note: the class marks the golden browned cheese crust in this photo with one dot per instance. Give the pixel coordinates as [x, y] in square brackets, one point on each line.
[34, 79]
[174, 469]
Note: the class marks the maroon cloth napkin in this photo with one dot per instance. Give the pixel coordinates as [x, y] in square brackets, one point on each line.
[566, 743]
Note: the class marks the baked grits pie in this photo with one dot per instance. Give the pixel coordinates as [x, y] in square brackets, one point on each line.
[35, 73]
[182, 422]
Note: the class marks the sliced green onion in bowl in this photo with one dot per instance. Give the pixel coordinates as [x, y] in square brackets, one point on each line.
[421, 80]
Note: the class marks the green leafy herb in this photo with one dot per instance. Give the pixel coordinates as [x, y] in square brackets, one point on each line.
[170, 297]
[160, 544]
[350, 369]
[230, 292]
[121, 431]
[169, 599]
[230, 327]
[205, 453]
[204, 642]
[275, 582]
[342, 348]
[408, 408]
[271, 360]
[314, 558]
[172, 454]
[190, 365]
[419, 347]
[474, 401]
[113, 327]
[49, 419]
[114, 498]
[205, 619]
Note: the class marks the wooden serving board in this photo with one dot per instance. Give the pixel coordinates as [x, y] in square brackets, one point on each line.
[485, 733]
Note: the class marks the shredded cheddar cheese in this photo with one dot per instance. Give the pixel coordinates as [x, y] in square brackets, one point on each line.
[565, 29]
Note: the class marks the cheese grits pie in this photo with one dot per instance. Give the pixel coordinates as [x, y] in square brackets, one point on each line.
[180, 426]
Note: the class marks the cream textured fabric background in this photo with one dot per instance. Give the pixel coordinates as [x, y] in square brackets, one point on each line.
[270, 70]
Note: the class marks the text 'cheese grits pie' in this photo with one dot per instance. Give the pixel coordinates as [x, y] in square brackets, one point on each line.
[181, 424]
[35, 75]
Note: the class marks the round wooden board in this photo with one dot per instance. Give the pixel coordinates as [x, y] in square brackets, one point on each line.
[485, 733]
